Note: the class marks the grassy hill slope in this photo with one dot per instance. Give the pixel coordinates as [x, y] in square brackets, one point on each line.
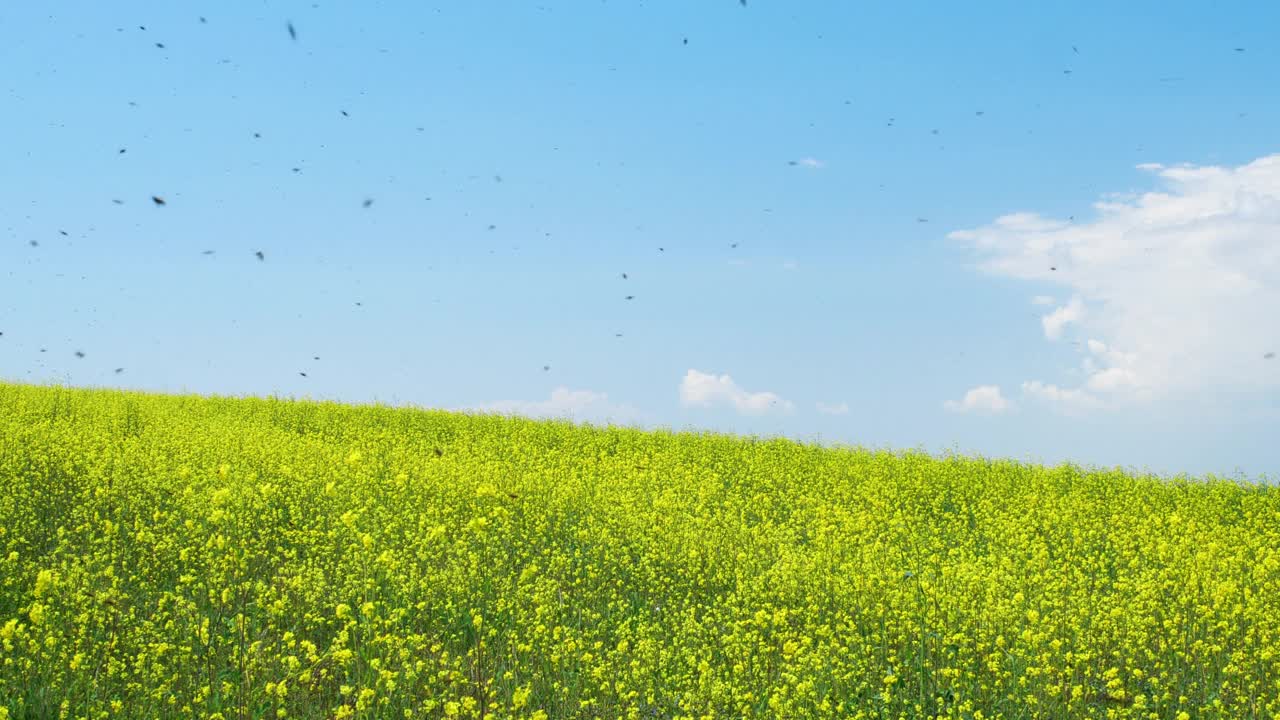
[176, 556]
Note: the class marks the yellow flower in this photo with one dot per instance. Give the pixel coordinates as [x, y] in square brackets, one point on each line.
[520, 697]
[43, 580]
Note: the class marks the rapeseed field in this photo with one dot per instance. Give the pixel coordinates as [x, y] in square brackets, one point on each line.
[175, 556]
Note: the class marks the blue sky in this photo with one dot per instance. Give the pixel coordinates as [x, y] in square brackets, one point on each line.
[803, 132]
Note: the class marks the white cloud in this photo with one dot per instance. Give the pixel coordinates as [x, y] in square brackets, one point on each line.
[1115, 374]
[983, 400]
[1053, 323]
[833, 408]
[1178, 288]
[810, 162]
[699, 389]
[1042, 300]
[1067, 401]
[577, 404]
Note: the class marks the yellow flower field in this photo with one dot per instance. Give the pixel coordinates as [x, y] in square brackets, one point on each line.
[176, 556]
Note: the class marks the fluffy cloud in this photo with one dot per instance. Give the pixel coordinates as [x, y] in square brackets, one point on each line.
[1114, 372]
[833, 408]
[577, 404]
[1177, 289]
[983, 400]
[1068, 401]
[1054, 322]
[699, 389]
